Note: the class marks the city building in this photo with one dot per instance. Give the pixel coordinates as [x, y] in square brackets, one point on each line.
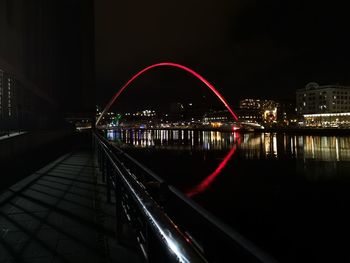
[324, 106]
[258, 111]
[286, 113]
[269, 110]
[250, 104]
[250, 111]
[217, 116]
[315, 99]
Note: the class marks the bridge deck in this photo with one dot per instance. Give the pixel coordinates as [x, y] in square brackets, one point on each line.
[59, 214]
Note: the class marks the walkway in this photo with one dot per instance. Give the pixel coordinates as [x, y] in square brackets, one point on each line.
[59, 214]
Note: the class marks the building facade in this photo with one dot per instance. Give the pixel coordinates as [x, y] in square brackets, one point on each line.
[8, 101]
[324, 106]
[46, 62]
[315, 99]
[250, 104]
[250, 111]
[258, 111]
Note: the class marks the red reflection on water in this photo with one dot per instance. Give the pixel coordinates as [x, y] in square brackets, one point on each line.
[209, 179]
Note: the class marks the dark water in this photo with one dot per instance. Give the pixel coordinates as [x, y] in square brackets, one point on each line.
[288, 194]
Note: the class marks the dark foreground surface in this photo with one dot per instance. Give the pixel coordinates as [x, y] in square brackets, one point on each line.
[60, 214]
[27, 163]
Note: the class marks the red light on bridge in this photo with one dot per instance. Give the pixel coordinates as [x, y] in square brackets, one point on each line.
[168, 64]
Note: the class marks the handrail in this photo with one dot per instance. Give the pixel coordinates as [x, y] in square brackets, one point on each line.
[179, 247]
[142, 167]
[215, 240]
[225, 229]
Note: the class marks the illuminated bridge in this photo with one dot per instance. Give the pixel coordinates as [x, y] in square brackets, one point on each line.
[69, 194]
[237, 124]
[174, 65]
[95, 203]
[193, 235]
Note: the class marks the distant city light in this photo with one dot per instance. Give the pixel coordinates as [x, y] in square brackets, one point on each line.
[328, 114]
[169, 64]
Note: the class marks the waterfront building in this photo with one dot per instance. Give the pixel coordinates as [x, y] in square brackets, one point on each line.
[286, 113]
[315, 99]
[250, 110]
[249, 115]
[324, 106]
[258, 111]
[218, 116]
[250, 104]
[269, 110]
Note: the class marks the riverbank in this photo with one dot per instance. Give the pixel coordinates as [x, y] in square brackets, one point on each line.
[286, 130]
[308, 131]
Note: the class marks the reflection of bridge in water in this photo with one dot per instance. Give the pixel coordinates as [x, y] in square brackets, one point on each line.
[253, 145]
[112, 164]
[174, 139]
[220, 127]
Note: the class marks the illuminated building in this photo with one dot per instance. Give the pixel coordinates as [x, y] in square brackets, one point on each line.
[258, 111]
[250, 104]
[324, 106]
[314, 99]
[249, 115]
[217, 116]
[286, 113]
[336, 120]
[250, 110]
[269, 109]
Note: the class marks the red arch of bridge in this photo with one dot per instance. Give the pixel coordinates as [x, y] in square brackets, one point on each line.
[168, 64]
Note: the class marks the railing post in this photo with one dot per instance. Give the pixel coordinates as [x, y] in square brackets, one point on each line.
[91, 143]
[155, 253]
[108, 179]
[103, 167]
[99, 156]
[134, 205]
[118, 207]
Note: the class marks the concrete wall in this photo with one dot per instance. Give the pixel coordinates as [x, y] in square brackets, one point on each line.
[26, 143]
[47, 46]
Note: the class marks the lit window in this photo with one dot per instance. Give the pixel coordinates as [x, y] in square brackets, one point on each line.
[9, 97]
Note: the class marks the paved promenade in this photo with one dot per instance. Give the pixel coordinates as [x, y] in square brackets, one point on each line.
[60, 214]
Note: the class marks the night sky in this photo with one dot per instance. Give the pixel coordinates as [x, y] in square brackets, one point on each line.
[246, 48]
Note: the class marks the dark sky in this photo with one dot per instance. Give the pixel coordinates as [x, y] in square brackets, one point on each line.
[246, 48]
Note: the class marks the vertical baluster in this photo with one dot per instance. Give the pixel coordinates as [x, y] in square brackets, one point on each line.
[108, 179]
[118, 207]
[154, 250]
[103, 167]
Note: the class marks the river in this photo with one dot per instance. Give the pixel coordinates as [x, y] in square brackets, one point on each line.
[289, 194]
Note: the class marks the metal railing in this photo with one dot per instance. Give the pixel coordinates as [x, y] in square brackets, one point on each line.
[170, 226]
[159, 238]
